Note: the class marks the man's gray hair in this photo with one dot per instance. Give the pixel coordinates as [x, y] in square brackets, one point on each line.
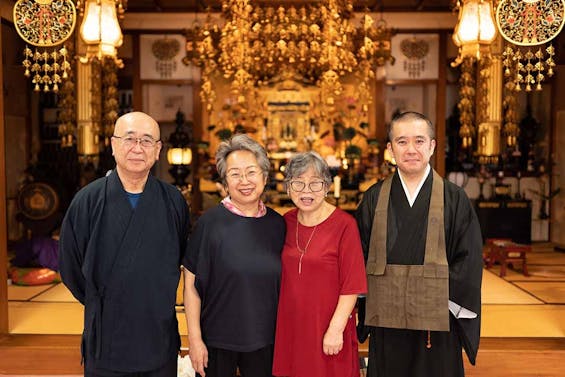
[299, 163]
[241, 142]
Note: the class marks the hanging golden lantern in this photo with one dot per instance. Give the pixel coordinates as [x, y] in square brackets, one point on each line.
[45, 24]
[100, 30]
[475, 30]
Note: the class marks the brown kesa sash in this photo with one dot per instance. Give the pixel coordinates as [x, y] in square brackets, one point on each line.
[409, 296]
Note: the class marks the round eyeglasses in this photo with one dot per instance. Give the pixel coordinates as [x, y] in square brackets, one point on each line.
[130, 141]
[299, 186]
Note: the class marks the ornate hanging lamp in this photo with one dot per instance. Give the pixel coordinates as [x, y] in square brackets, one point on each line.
[46, 25]
[179, 154]
[473, 35]
[100, 29]
[475, 29]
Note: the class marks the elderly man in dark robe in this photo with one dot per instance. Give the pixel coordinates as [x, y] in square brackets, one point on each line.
[423, 249]
[121, 244]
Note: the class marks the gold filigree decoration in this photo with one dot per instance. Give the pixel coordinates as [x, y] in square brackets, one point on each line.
[45, 24]
[466, 102]
[165, 50]
[510, 130]
[530, 22]
[415, 50]
[314, 42]
[110, 103]
[67, 105]
[96, 99]
[525, 25]
[482, 100]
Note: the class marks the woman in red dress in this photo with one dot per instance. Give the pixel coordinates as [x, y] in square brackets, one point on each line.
[323, 272]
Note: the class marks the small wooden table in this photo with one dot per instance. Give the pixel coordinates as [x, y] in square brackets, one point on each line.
[504, 251]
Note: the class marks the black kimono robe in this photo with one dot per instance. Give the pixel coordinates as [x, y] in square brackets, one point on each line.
[401, 352]
[123, 265]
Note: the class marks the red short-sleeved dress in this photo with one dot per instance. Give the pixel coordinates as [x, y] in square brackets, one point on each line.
[333, 265]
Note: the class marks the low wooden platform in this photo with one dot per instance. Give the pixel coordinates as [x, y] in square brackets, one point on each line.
[40, 354]
[521, 357]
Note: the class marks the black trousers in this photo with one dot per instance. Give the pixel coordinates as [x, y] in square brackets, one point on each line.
[167, 370]
[224, 363]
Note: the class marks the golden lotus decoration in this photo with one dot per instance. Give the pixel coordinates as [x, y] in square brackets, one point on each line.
[529, 26]
[316, 43]
[46, 25]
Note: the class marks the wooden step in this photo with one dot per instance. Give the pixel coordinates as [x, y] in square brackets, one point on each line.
[543, 246]
[40, 354]
[60, 354]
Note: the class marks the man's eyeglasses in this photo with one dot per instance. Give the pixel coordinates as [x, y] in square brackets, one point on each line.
[130, 141]
[314, 186]
[250, 175]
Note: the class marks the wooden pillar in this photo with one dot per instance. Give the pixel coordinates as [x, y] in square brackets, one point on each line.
[439, 164]
[137, 101]
[379, 129]
[3, 219]
[197, 131]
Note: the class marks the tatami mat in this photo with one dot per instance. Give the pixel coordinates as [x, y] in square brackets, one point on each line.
[496, 290]
[25, 293]
[59, 293]
[550, 258]
[55, 318]
[549, 292]
[511, 307]
[523, 321]
[537, 273]
[45, 318]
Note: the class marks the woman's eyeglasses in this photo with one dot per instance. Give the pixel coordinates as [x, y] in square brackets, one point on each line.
[250, 175]
[299, 186]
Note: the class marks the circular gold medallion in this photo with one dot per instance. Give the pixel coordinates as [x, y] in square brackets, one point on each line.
[38, 201]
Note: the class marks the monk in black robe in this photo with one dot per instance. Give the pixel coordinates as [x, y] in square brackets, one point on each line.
[121, 244]
[408, 343]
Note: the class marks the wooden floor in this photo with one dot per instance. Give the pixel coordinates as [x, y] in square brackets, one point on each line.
[522, 326]
[516, 357]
